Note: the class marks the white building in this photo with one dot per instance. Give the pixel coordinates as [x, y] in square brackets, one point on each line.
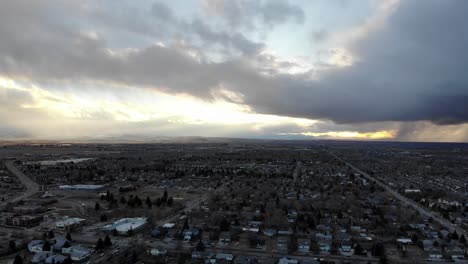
[36, 246]
[126, 225]
[68, 223]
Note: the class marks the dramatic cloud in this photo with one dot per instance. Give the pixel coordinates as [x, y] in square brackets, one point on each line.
[405, 63]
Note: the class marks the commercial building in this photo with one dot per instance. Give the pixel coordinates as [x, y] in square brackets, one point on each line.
[126, 226]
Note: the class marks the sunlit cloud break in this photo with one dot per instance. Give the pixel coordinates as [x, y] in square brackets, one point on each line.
[364, 69]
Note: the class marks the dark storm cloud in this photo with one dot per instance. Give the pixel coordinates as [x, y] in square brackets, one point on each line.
[414, 68]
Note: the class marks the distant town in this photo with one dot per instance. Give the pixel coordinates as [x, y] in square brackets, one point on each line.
[241, 202]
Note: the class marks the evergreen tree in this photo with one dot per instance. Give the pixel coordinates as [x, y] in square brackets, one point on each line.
[66, 244]
[103, 217]
[462, 239]
[107, 241]
[224, 225]
[200, 246]
[455, 235]
[68, 237]
[46, 246]
[51, 234]
[134, 257]
[170, 201]
[97, 206]
[68, 260]
[18, 260]
[358, 250]
[149, 204]
[12, 246]
[99, 244]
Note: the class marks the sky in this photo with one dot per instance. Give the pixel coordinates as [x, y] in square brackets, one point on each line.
[273, 69]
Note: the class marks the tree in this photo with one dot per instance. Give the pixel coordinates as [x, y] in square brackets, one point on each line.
[103, 217]
[224, 225]
[114, 232]
[68, 237]
[462, 239]
[158, 202]
[99, 244]
[455, 235]
[51, 234]
[414, 238]
[134, 257]
[186, 225]
[12, 246]
[68, 260]
[66, 244]
[149, 203]
[170, 201]
[46, 246]
[378, 250]
[107, 241]
[165, 195]
[123, 200]
[358, 250]
[97, 206]
[200, 246]
[18, 260]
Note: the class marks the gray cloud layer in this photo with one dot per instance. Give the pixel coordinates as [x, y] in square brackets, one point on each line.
[412, 69]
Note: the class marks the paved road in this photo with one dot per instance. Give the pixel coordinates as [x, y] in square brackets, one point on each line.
[184, 247]
[422, 210]
[297, 171]
[31, 187]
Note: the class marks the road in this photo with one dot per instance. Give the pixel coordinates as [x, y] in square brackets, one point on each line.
[408, 202]
[184, 247]
[297, 171]
[31, 186]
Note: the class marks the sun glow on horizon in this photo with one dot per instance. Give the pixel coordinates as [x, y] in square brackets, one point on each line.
[384, 134]
[144, 105]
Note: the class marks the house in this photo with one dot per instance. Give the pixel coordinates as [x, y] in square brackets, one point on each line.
[303, 245]
[321, 236]
[206, 239]
[198, 255]
[325, 246]
[287, 260]
[225, 237]
[36, 246]
[159, 252]
[77, 253]
[455, 253]
[224, 256]
[156, 233]
[244, 260]
[60, 243]
[24, 220]
[346, 249]
[404, 241]
[190, 233]
[269, 232]
[282, 243]
[40, 257]
[55, 259]
[69, 223]
[433, 252]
